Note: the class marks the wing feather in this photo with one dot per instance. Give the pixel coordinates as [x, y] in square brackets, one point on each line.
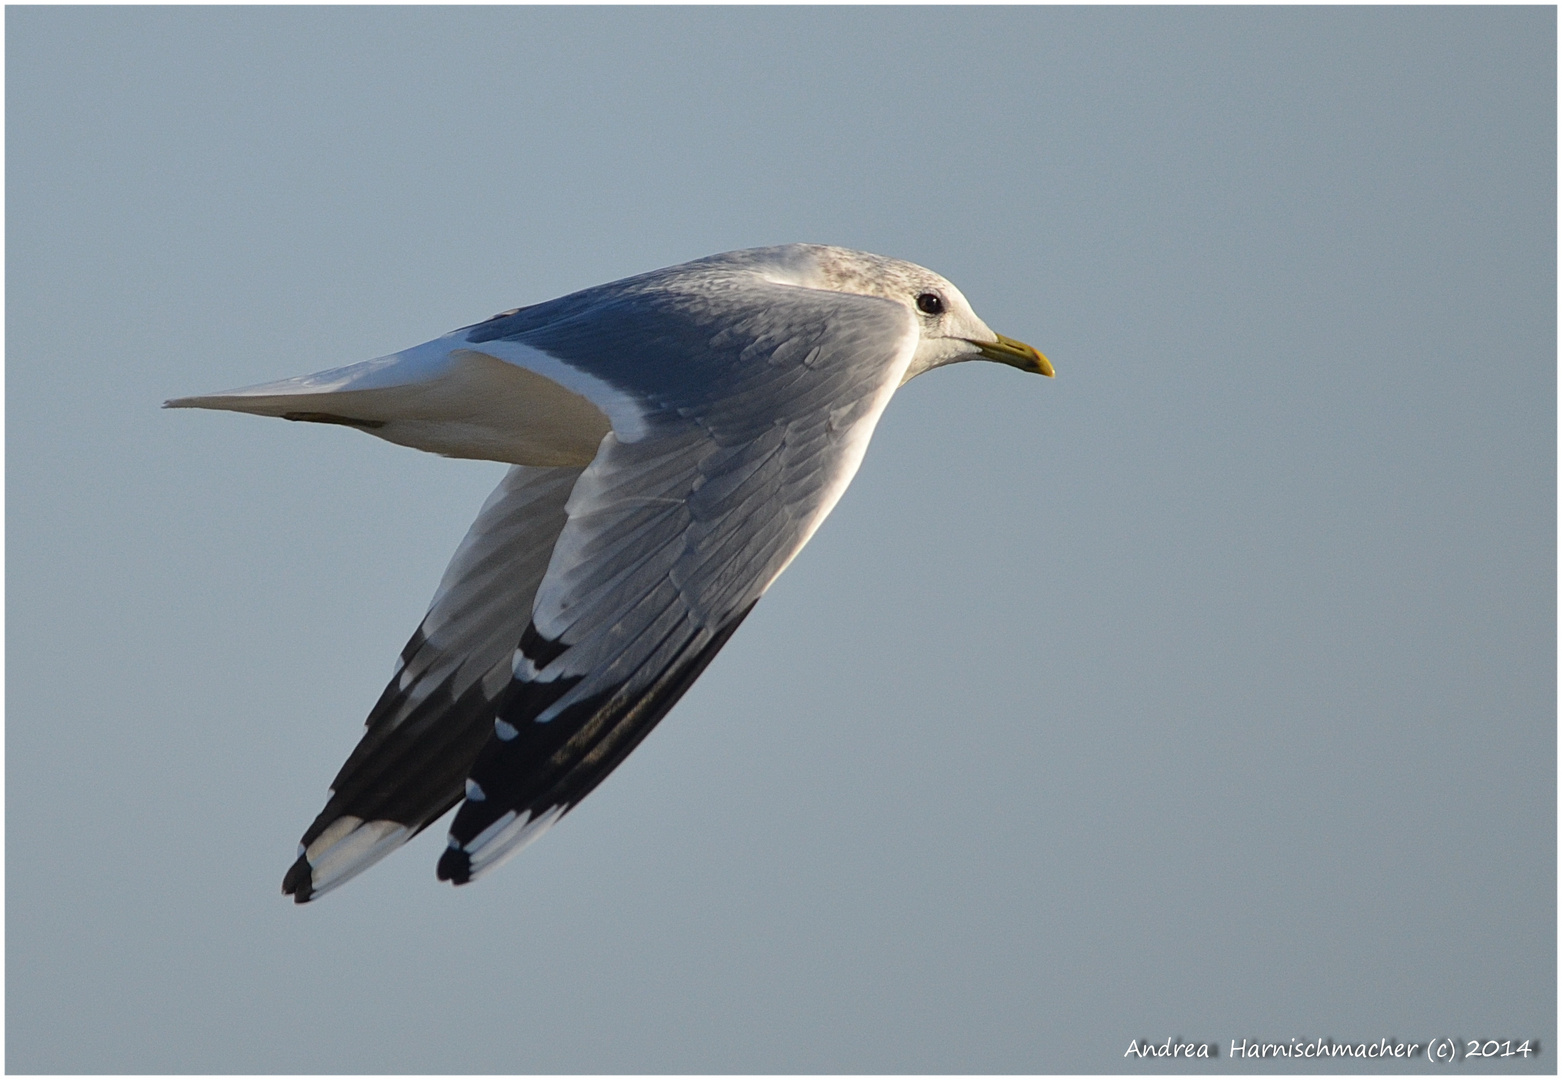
[437, 712]
[673, 536]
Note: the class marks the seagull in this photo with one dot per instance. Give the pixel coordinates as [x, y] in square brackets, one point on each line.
[675, 439]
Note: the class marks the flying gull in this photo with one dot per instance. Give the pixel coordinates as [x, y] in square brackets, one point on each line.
[675, 439]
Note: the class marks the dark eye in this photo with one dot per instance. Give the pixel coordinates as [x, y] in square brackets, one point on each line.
[930, 303]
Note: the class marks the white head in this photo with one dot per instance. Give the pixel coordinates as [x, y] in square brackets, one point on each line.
[951, 331]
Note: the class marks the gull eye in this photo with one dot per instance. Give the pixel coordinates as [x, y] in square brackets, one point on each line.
[930, 303]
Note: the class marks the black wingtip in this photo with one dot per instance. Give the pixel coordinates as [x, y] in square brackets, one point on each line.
[297, 882]
[539, 650]
[455, 866]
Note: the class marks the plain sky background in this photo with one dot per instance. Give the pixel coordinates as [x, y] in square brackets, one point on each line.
[1207, 690]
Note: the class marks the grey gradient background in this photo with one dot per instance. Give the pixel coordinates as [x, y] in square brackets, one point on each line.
[1205, 691]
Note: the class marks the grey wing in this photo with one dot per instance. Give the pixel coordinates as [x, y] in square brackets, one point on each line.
[670, 541]
[437, 712]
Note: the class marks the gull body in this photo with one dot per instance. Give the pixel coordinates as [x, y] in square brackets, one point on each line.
[675, 438]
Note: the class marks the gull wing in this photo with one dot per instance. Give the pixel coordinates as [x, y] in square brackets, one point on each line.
[747, 434]
[438, 710]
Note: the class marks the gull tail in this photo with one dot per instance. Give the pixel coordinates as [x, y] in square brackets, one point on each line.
[438, 397]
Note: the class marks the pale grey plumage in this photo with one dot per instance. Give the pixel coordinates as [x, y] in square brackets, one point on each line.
[485, 595]
[728, 401]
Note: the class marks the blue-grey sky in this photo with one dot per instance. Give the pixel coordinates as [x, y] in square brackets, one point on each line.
[1205, 691]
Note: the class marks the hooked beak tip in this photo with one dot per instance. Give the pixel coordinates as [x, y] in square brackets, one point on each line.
[1017, 354]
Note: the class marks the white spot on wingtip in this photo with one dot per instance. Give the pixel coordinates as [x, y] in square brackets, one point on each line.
[522, 667]
[337, 830]
[348, 846]
[474, 791]
[492, 831]
[506, 843]
[300, 851]
[505, 731]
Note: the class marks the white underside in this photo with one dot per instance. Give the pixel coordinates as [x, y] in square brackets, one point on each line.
[501, 402]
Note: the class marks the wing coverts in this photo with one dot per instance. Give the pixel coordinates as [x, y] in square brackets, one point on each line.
[585, 602]
[672, 538]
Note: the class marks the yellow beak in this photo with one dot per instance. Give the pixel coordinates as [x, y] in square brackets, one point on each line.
[1016, 354]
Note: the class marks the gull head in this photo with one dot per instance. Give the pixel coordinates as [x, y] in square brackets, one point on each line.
[950, 332]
